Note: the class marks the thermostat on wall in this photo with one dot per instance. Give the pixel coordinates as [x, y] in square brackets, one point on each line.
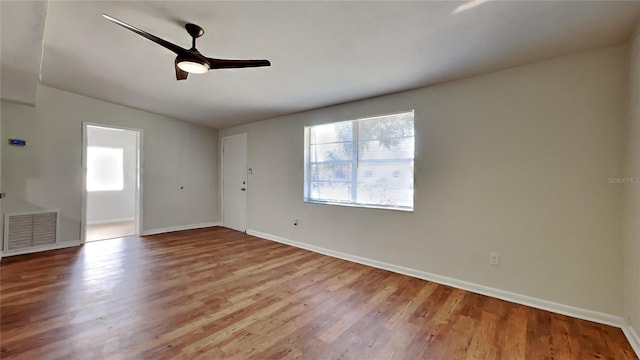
[17, 142]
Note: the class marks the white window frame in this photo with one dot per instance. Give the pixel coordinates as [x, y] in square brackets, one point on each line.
[355, 161]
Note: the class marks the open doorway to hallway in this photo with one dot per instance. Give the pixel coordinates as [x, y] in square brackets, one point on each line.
[112, 182]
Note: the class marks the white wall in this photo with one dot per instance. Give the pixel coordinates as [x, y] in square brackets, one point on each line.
[105, 206]
[46, 174]
[1, 189]
[514, 162]
[632, 192]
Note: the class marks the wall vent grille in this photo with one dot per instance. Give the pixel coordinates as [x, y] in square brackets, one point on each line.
[23, 231]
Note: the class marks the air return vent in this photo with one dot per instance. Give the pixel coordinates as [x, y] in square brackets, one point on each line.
[23, 231]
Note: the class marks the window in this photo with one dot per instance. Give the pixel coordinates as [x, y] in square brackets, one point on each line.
[105, 170]
[366, 162]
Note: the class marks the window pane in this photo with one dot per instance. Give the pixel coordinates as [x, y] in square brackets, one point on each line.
[330, 133]
[330, 191]
[105, 170]
[331, 172]
[385, 195]
[390, 185]
[386, 127]
[398, 148]
[329, 152]
[383, 162]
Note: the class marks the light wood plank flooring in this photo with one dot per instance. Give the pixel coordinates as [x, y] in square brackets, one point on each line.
[110, 230]
[217, 293]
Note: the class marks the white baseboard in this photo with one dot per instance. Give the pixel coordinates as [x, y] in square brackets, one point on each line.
[633, 338]
[547, 305]
[109, 221]
[34, 249]
[181, 227]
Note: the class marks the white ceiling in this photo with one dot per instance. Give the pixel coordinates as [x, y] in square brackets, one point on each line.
[21, 30]
[322, 53]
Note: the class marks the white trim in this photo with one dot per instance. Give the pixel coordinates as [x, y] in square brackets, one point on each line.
[139, 169]
[181, 227]
[633, 338]
[547, 305]
[34, 249]
[83, 204]
[110, 221]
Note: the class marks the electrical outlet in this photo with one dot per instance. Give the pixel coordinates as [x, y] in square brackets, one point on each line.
[494, 259]
[295, 222]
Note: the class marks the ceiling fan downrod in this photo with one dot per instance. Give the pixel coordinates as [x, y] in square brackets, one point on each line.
[195, 31]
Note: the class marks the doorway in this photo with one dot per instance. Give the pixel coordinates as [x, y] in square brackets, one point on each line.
[111, 197]
[234, 182]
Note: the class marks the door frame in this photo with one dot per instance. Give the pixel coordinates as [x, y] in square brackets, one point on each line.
[246, 213]
[139, 176]
[2, 242]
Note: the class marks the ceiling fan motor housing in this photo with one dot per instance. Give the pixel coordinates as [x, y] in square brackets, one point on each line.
[194, 30]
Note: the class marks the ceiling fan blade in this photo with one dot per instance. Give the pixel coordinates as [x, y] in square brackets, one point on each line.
[227, 64]
[180, 74]
[173, 47]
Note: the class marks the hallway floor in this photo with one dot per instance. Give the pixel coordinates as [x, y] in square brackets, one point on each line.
[111, 230]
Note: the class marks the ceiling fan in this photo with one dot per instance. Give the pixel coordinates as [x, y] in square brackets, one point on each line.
[191, 60]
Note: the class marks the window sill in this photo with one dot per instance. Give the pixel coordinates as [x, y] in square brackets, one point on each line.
[379, 207]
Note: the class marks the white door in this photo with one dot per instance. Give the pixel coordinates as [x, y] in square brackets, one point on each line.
[234, 182]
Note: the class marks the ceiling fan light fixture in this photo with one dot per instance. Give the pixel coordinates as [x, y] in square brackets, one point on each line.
[193, 67]
[191, 60]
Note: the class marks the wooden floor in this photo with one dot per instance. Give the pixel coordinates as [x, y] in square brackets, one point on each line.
[216, 293]
[110, 230]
